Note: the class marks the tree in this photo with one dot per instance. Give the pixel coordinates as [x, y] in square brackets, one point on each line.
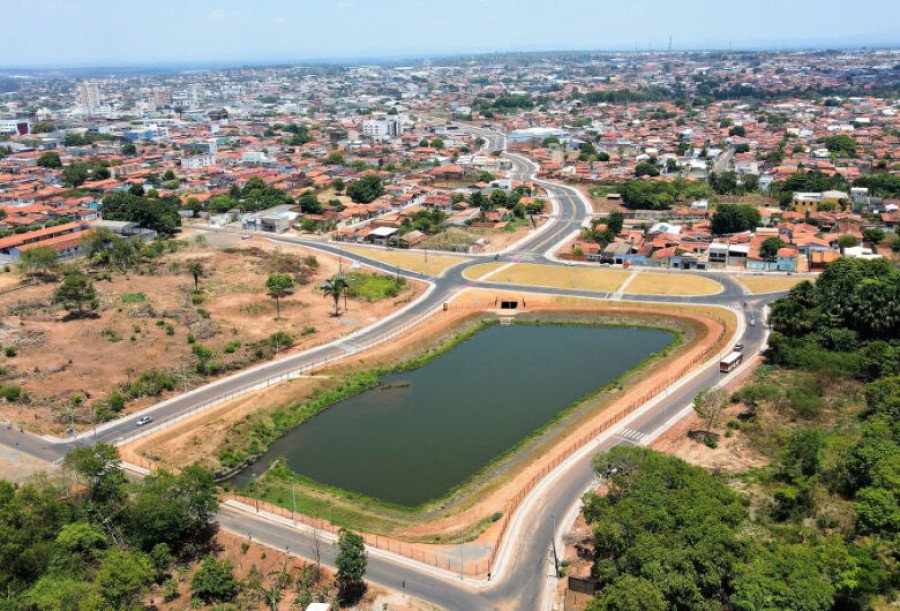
[877, 511]
[874, 236]
[159, 214]
[309, 203]
[847, 241]
[338, 184]
[737, 130]
[129, 149]
[628, 593]
[99, 466]
[123, 577]
[334, 287]
[351, 563]
[49, 159]
[76, 293]
[709, 405]
[768, 250]
[278, 286]
[214, 581]
[615, 221]
[195, 269]
[366, 189]
[75, 174]
[734, 218]
[38, 261]
[646, 169]
[785, 577]
[174, 510]
[95, 241]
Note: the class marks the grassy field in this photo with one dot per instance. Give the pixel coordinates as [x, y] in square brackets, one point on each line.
[652, 283]
[552, 276]
[762, 284]
[413, 261]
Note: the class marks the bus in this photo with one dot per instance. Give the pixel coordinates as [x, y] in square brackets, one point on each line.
[731, 361]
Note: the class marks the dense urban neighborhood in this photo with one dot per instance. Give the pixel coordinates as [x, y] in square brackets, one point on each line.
[550, 330]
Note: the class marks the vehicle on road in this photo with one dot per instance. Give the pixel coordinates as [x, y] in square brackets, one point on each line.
[739, 347]
[730, 362]
[752, 322]
[245, 236]
[144, 420]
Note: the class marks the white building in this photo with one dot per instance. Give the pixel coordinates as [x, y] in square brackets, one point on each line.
[382, 127]
[197, 162]
[89, 96]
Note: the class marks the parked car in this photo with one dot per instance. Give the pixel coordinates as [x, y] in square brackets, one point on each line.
[144, 420]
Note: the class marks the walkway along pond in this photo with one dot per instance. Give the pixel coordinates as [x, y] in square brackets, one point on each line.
[425, 431]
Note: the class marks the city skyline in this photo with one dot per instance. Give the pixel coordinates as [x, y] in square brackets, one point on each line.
[227, 32]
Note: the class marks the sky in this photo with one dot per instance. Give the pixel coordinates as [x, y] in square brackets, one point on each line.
[68, 33]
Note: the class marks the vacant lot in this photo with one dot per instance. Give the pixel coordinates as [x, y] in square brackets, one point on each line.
[654, 283]
[154, 334]
[553, 276]
[419, 261]
[774, 284]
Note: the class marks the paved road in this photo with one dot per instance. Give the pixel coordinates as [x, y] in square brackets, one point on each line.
[521, 582]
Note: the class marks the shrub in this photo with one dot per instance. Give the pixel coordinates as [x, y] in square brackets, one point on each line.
[10, 351]
[134, 297]
[11, 393]
[214, 581]
[151, 383]
[232, 346]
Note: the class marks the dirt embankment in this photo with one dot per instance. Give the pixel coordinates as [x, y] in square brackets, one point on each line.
[152, 318]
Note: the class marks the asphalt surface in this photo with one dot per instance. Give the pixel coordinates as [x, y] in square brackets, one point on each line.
[521, 585]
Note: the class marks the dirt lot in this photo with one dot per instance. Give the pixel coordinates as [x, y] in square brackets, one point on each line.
[147, 319]
[598, 203]
[772, 284]
[412, 260]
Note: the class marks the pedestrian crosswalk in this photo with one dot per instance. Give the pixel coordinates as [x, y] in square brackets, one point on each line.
[631, 435]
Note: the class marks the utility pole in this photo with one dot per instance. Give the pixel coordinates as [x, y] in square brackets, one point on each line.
[553, 544]
[462, 556]
[294, 503]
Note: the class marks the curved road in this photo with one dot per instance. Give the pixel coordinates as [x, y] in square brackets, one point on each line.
[523, 569]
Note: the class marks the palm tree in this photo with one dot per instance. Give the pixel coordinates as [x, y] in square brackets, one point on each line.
[195, 268]
[278, 286]
[334, 287]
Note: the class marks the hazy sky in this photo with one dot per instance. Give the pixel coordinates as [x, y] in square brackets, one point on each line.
[123, 32]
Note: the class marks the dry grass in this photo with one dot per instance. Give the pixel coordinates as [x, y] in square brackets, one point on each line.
[762, 284]
[653, 283]
[413, 261]
[552, 276]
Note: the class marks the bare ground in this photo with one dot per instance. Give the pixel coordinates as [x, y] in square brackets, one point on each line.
[58, 358]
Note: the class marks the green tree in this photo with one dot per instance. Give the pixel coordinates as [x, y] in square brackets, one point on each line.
[278, 286]
[59, 592]
[159, 214]
[129, 149]
[195, 269]
[847, 241]
[335, 287]
[768, 250]
[173, 509]
[76, 293]
[309, 203]
[351, 563]
[877, 511]
[38, 261]
[95, 241]
[785, 577]
[366, 189]
[615, 221]
[874, 236]
[75, 174]
[734, 218]
[646, 169]
[99, 466]
[123, 577]
[214, 581]
[338, 184]
[49, 159]
[628, 593]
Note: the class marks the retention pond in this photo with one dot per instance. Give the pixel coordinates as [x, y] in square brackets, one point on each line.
[425, 431]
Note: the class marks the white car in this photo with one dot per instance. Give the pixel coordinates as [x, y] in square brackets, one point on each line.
[144, 420]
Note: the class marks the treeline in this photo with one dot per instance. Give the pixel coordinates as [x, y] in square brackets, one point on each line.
[100, 542]
[815, 529]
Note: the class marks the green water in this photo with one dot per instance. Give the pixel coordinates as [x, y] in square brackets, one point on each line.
[434, 427]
